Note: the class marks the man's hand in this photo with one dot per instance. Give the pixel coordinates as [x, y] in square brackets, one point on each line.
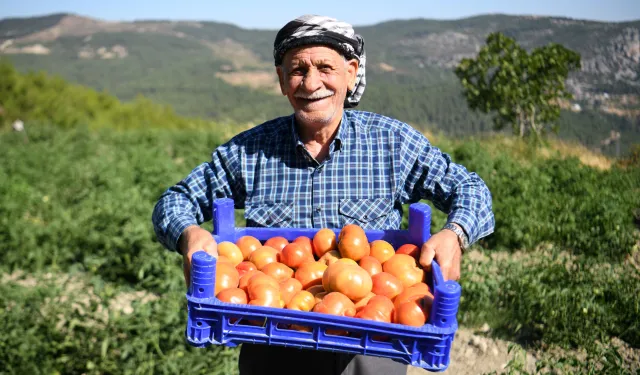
[444, 246]
[194, 239]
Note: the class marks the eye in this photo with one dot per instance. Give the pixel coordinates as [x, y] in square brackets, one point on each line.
[325, 68]
[297, 71]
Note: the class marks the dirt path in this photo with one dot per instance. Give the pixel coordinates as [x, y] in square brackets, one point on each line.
[475, 354]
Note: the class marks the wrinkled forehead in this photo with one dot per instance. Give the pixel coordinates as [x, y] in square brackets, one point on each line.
[312, 54]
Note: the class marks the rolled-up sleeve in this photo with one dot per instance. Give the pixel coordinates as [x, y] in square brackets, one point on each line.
[462, 195]
[189, 202]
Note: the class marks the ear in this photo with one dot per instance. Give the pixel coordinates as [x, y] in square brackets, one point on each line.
[352, 72]
[283, 86]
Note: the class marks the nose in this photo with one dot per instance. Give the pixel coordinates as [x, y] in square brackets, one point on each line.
[311, 81]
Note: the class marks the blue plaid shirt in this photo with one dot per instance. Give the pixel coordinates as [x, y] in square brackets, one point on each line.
[375, 165]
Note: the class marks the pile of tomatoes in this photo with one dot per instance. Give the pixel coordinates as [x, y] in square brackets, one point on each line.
[345, 276]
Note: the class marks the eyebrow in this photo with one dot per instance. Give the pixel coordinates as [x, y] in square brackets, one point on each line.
[303, 62]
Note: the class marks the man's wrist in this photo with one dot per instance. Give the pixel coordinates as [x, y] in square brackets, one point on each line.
[463, 239]
[183, 240]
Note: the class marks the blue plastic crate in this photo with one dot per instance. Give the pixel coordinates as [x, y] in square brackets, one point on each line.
[212, 322]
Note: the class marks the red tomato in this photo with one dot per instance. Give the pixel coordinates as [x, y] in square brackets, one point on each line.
[385, 284]
[352, 242]
[371, 265]
[404, 267]
[277, 243]
[350, 280]
[381, 250]
[245, 267]
[324, 240]
[289, 288]
[409, 249]
[247, 245]
[294, 254]
[233, 295]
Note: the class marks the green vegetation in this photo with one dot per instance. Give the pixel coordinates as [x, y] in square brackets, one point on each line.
[85, 287]
[522, 90]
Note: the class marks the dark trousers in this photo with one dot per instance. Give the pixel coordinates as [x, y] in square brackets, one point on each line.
[265, 359]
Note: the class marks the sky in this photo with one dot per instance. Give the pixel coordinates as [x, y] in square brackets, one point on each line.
[274, 14]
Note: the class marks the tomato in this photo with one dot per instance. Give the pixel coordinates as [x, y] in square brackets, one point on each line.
[261, 278]
[226, 277]
[247, 245]
[263, 256]
[385, 284]
[289, 288]
[231, 251]
[264, 294]
[315, 289]
[319, 296]
[324, 240]
[277, 243]
[409, 249]
[310, 274]
[306, 243]
[414, 311]
[302, 301]
[418, 290]
[371, 265]
[330, 257]
[352, 242]
[336, 303]
[278, 271]
[404, 267]
[294, 254]
[379, 308]
[348, 279]
[244, 279]
[381, 250]
[233, 295]
[223, 259]
[245, 266]
[361, 303]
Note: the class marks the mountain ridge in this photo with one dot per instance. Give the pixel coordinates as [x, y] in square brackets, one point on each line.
[216, 69]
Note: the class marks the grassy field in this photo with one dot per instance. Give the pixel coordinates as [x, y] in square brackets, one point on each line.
[85, 288]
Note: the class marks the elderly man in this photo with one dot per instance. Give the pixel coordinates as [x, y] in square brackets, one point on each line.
[323, 166]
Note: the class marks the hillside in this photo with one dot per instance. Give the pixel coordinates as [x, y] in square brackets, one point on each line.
[224, 72]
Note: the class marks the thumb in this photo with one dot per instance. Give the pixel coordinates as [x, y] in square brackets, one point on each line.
[211, 248]
[427, 253]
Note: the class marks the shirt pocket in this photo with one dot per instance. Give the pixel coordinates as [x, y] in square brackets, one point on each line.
[366, 212]
[269, 215]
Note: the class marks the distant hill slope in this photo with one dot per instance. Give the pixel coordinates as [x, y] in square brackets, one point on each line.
[221, 71]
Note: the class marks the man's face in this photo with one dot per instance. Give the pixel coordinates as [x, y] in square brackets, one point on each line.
[315, 79]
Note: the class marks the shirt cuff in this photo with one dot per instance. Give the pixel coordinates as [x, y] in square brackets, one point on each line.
[464, 218]
[175, 229]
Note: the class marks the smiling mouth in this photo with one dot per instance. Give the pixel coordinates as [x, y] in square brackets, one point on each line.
[312, 100]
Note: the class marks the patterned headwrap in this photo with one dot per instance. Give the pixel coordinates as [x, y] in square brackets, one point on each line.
[311, 29]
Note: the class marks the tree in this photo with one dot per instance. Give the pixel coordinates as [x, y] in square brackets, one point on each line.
[523, 89]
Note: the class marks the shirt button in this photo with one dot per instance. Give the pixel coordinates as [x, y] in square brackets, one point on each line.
[319, 208]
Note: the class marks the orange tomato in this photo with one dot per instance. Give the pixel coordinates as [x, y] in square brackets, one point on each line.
[302, 301]
[330, 257]
[414, 311]
[278, 271]
[277, 243]
[381, 250]
[244, 279]
[226, 277]
[231, 251]
[294, 254]
[310, 274]
[233, 295]
[404, 267]
[245, 266]
[352, 242]
[361, 303]
[264, 294]
[350, 280]
[336, 303]
[261, 278]
[379, 308]
[306, 243]
[324, 240]
[315, 289]
[371, 265]
[409, 249]
[289, 288]
[415, 291]
[263, 256]
[385, 284]
[247, 245]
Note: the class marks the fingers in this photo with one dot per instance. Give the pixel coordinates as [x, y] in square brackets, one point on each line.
[427, 253]
[211, 247]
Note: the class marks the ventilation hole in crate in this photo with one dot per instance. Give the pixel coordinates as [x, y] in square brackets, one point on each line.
[336, 332]
[379, 338]
[201, 290]
[437, 351]
[357, 335]
[443, 320]
[199, 324]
